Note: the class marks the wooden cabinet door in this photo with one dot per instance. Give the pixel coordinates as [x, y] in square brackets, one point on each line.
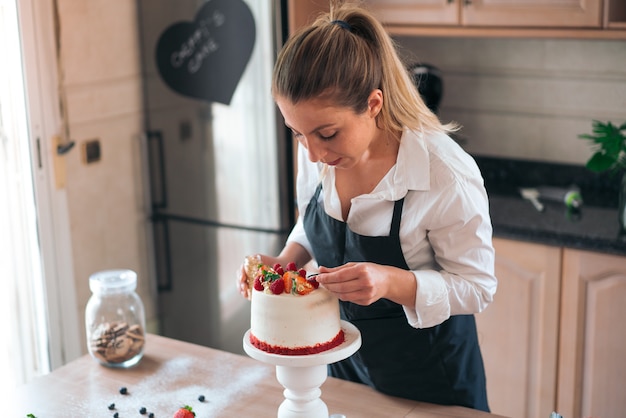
[592, 352]
[471, 13]
[518, 332]
[416, 12]
[532, 13]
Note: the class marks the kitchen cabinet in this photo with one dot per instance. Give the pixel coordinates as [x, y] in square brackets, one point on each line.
[583, 19]
[554, 339]
[417, 12]
[518, 332]
[592, 337]
[507, 13]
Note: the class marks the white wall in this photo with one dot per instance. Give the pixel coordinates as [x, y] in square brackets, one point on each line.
[101, 80]
[527, 98]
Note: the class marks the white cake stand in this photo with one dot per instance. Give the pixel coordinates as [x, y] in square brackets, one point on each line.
[302, 376]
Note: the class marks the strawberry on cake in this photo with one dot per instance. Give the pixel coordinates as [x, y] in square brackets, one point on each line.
[291, 314]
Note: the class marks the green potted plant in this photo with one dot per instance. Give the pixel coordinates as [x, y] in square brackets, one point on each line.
[609, 142]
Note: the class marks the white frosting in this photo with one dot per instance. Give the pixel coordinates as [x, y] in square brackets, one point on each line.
[295, 321]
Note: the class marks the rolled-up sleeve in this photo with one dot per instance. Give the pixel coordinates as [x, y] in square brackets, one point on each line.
[461, 279]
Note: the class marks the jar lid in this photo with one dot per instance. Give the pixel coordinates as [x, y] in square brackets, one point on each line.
[113, 281]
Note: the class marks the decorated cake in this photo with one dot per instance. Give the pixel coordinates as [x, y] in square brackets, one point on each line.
[291, 314]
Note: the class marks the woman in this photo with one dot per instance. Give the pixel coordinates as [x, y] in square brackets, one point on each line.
[392, 210]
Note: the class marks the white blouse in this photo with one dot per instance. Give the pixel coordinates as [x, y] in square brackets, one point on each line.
[445, 231]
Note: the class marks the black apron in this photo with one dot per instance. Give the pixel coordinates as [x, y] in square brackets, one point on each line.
[441, 364]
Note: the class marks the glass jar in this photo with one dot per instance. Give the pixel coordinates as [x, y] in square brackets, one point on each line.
[115, 319]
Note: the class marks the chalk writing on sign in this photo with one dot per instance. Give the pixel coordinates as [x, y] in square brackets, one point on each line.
[199, 45]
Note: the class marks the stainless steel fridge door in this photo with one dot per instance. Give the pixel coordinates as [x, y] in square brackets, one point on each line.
[220, 180]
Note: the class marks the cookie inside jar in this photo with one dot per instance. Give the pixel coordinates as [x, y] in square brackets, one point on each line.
[114, 319]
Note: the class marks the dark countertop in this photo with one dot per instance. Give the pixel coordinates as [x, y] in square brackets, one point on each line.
[594, 228]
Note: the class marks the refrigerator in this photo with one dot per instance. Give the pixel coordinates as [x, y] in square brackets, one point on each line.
[218, 162]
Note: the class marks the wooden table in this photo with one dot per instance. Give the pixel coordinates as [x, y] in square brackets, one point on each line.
[174, 373]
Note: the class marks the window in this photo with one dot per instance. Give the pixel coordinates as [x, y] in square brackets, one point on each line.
[23, 346]
[38, 316]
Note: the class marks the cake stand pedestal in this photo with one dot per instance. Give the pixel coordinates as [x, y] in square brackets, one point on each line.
[302, 376]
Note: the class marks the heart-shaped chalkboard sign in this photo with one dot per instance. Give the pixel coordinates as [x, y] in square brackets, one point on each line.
[205, 59]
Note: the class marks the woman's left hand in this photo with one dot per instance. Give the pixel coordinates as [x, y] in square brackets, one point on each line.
[365, 283]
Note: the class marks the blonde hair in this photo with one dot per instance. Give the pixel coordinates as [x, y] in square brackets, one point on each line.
[343, 56]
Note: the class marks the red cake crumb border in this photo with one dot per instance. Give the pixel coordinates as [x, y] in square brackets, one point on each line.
[298, 351]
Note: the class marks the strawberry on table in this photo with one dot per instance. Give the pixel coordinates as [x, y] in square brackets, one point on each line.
[185, 412]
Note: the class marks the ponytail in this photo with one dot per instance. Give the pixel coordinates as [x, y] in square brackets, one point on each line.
[344, 55]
